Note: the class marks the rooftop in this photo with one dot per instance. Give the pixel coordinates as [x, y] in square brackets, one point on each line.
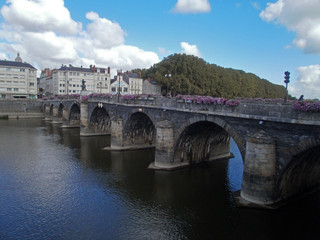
[15, 64]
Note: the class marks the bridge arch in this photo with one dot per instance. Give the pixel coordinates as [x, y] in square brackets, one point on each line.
[100, 120]
[52, 109]
[60, 110]
[199, 134]
[44, 106]
[74, 114]
[302, 173]
[139, 130]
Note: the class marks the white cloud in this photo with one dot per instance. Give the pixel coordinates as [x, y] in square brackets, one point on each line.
[192, 6]
[124, 57]
[299, 16]
[3, 56]
[308, 81]
[46, 36]
[39, 16]
[102, 32]
[190, 49]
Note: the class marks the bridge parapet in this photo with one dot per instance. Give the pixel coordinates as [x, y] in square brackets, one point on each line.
[260, 110]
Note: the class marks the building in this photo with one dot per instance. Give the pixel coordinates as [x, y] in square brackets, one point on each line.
[135, 82]
[45, 86]
[120, 84]
[74, 80]
[17, 79]
[151, 87]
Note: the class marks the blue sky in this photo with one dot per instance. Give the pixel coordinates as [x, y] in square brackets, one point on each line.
[258, 36]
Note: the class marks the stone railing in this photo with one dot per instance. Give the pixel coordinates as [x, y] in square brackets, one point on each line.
[263, 109]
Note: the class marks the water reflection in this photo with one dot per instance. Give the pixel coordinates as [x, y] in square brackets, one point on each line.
[55, 184]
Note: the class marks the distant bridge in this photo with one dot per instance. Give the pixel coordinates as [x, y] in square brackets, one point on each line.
[280, 147]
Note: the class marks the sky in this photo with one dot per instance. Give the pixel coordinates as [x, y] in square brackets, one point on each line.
[264, 37]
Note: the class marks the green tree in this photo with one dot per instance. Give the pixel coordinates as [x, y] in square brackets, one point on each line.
[192, 75]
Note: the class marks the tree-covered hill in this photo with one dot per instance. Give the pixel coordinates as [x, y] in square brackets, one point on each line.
[192, 75]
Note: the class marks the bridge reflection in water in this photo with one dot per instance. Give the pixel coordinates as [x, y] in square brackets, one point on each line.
[57, 185]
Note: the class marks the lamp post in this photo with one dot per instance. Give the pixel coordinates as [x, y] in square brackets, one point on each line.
[286, 81]
[119, 76]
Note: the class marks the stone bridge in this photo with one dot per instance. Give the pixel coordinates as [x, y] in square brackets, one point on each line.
[280, 147]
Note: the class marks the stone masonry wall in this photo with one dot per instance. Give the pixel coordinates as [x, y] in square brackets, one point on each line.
[21, 108]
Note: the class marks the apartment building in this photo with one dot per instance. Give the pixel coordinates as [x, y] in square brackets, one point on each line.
[17, 79]
[135, 82]
[72, 80]
[119, 84]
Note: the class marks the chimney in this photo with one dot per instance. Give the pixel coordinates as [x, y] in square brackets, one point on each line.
[94, 68]
[108, 70]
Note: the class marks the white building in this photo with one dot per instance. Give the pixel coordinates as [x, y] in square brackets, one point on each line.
[69, 80]
[135, 82]
[119, 84]
[130, 83]
[17, 79]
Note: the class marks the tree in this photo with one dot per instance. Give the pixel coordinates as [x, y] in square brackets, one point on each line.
[192, 75]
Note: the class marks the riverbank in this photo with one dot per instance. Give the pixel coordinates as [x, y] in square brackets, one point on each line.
[17, 115]
[20, 108]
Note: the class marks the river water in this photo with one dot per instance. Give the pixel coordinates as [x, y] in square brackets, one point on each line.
[55, 184]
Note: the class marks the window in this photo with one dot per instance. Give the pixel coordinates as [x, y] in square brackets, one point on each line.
[113, 89]
[125, 89]
[9, 89]
[3, 96]
[15, 89]
[31, 84]
[22, 70]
